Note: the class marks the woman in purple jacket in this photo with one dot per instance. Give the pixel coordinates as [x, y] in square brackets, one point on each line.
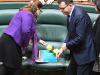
[17, 35]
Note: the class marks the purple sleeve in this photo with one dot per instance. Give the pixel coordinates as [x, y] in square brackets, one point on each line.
[27, 22]
[35, 40]
[29, 29]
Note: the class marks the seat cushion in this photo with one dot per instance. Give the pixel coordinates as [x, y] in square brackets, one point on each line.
[2, 29]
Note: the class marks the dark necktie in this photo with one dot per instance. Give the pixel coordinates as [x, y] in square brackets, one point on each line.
[68, 19]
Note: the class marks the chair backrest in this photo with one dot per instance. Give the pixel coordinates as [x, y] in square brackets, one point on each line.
[52, 26]
[6, 15]
[12, 5]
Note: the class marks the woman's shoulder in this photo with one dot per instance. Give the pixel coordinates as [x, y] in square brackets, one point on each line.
[25, 12]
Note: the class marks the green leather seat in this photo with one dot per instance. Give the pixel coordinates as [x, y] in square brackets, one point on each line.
[17, 5]
[12, 5]
[51, 6]
[2, 28]
[49, 69]
[88, 8]
[6, 15]
[51, 26]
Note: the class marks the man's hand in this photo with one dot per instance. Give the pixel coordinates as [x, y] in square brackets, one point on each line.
[58, 53]
[61, 50]
[64, 46]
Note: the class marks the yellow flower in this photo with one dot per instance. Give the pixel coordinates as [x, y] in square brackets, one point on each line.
[49, 47]
[55, 50]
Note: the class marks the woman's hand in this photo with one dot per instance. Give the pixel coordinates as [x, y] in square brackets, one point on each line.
[42, 42]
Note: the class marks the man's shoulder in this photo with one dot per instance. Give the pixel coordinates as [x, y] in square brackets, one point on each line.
[79, 11]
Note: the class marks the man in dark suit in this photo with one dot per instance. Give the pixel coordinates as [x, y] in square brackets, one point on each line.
[79, 39]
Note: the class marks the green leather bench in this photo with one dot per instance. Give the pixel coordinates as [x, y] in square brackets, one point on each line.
[2, 28]
[17, 5]
[12, 5]
[5, 17]
[88, 8]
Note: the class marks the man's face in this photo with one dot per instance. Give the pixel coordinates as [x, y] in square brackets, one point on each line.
[64, 8]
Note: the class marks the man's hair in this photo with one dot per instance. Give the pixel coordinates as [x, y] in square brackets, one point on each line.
[67, 1]
[97, 3]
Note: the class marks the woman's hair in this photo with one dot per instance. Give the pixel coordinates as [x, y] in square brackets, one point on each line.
[97, 3]
[33, 6]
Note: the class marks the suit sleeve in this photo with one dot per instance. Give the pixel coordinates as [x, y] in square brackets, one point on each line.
[66, 39]
[81, 30]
